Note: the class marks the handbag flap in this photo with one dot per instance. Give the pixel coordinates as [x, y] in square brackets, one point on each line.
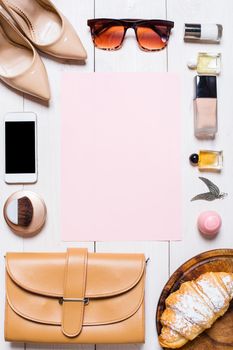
[114, 287]
[107, 274]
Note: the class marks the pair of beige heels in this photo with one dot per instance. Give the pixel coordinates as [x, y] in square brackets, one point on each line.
[24, 25]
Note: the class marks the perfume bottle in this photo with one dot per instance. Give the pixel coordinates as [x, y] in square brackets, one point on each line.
[205, 106]
[207, 160]
[207, 63]
[205, 32]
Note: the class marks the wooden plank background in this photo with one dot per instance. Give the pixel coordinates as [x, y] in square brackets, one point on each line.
[165, 257]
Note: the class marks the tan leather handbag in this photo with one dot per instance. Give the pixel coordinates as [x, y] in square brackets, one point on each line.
[75, 297]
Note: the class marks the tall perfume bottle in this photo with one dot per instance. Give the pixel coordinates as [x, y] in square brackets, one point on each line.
[207, 160]
[207, 63]
[205, 106]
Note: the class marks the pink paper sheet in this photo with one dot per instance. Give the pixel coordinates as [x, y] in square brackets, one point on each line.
[121, 157]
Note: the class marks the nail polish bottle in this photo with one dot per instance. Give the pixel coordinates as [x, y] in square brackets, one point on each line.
[207, 160]
[206, 63]
[205, 32]
[205, 106]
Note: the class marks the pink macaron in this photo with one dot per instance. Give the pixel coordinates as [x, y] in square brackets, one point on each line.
[209, 223]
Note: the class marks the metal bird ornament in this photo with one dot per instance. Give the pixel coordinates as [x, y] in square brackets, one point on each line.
[214, 192]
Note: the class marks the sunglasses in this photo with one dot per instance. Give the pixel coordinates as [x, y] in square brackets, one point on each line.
[109, 34]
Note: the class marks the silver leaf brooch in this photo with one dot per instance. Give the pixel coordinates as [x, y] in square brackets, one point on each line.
[214, 192]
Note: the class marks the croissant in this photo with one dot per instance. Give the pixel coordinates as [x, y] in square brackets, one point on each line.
[195, 307]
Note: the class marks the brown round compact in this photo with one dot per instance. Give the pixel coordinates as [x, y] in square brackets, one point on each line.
[25, 213]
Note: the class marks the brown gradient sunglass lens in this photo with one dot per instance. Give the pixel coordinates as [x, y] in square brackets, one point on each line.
[109, 33]
[108, 37]
[152, 38]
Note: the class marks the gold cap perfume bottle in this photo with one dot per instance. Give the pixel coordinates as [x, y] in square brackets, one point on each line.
[207, 63]
[207, 160]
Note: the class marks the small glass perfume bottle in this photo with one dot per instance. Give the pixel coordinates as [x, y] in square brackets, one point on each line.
[205, 106]
[205, 32]
[207, 160]
[207, 63]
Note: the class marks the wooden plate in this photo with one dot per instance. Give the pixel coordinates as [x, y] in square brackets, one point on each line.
[220, 335]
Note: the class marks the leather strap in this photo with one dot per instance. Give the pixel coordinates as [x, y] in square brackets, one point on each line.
[74, 292]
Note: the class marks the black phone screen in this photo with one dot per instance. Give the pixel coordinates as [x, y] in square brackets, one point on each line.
[20, 147]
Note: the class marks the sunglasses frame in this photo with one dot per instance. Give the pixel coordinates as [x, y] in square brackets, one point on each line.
[133, 24]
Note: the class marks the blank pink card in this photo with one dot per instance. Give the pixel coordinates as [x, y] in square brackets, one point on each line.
[121, 157]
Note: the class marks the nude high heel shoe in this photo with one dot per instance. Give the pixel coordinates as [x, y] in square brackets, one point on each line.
[20, 65]
[46, 28]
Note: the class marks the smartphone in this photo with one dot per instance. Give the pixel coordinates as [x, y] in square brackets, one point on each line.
[20, 141]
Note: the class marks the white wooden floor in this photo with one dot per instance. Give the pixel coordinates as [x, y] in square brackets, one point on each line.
[165, 257]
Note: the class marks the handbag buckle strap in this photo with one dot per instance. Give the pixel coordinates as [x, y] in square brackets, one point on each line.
[73, 301]
[81, 300]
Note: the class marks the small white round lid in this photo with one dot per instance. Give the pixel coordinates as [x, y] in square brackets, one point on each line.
[192, 63]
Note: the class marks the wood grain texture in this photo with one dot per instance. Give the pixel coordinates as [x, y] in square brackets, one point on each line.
[131, 58]
[220, 334]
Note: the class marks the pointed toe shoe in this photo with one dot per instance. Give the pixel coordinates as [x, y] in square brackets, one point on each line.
[20, 65]
[46, 27]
